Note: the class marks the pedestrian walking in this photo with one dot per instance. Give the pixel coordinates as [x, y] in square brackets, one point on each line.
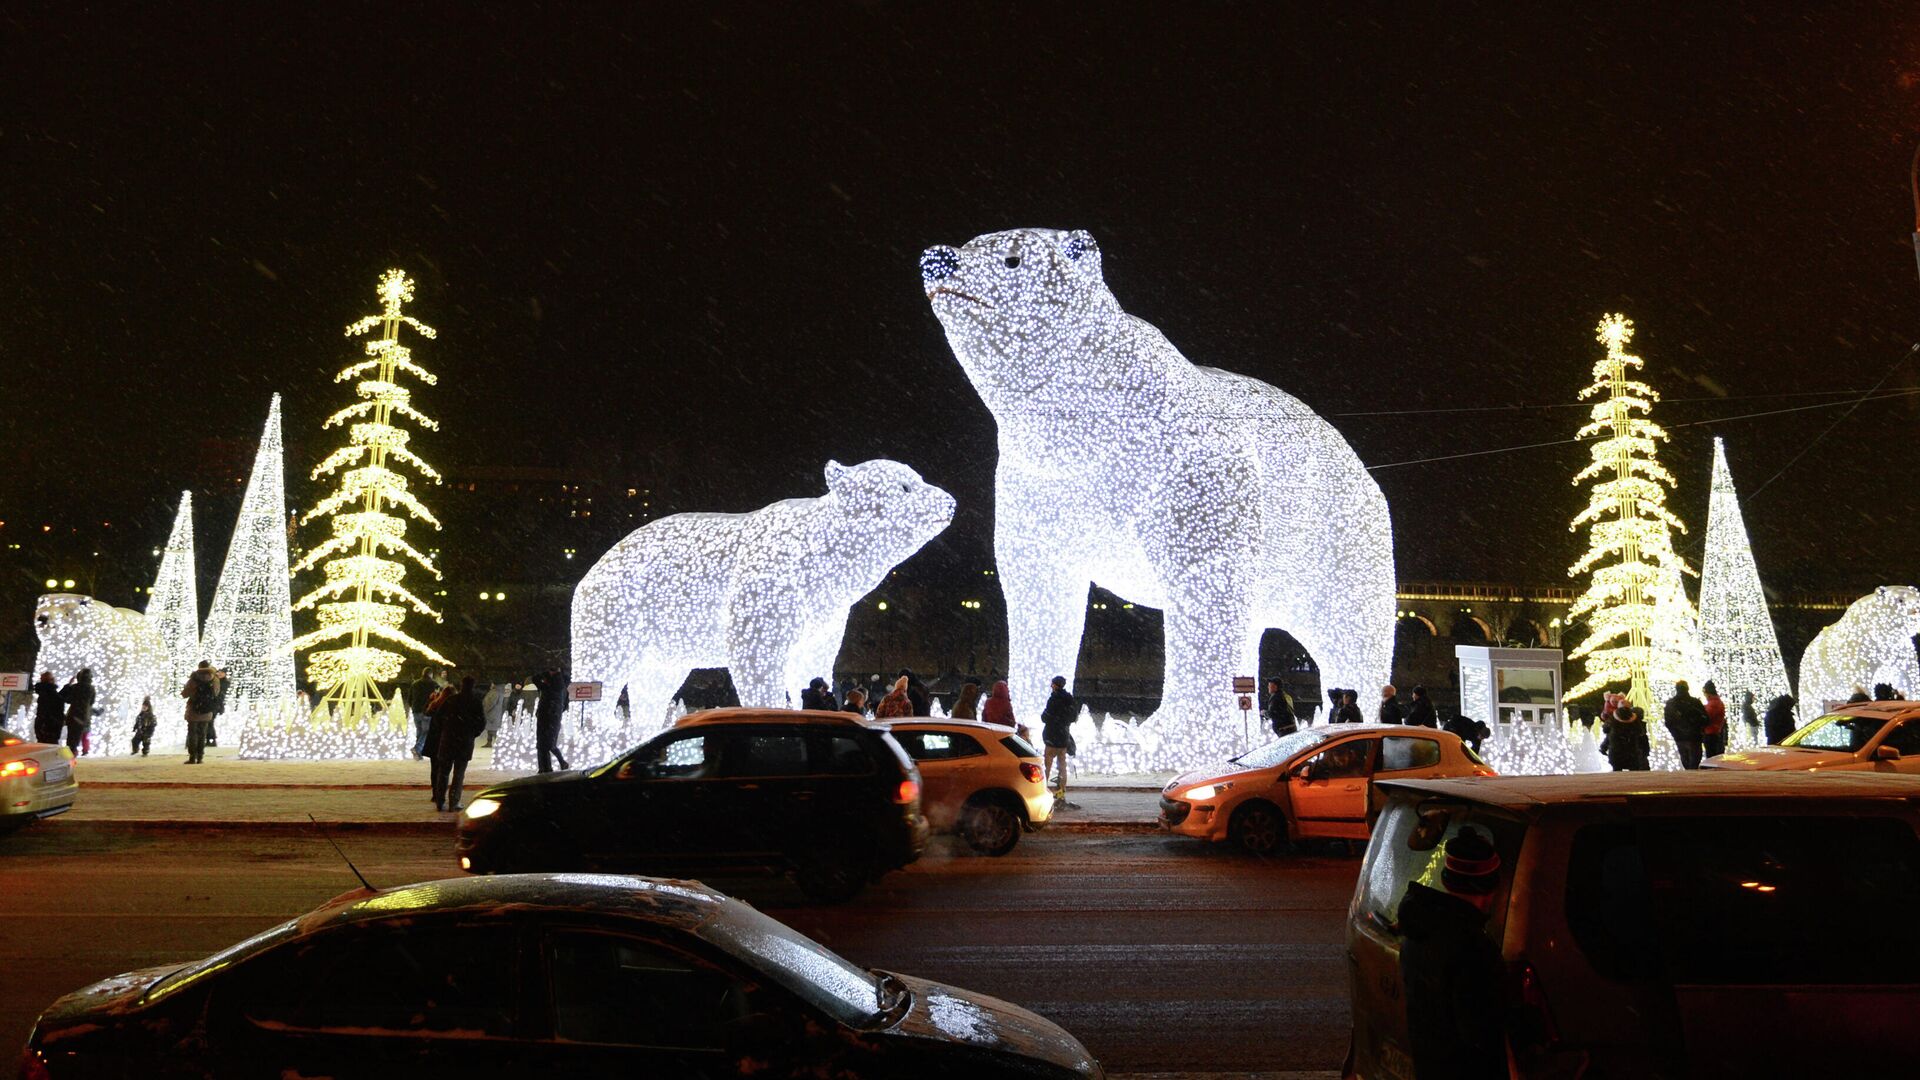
[143, 727]
[967, 705]
[897, 705]
[201, 690]
[1713, 737]
[917, 696]
[816, 696]
[1420, 713]
[856, 701]
[1885, 692]
[49, 713]
[1389, 705]
[998, 709]
[493, 705]
[77, 695]
[1056, 731]
[1280, 714]
[547, 713]
[1349, 712]
[419, 696]
[459, 720]
[1468, 730]
[1454, 981]
[1779, 719]
[1686, 720]
[1626, 745]
[1749, 717]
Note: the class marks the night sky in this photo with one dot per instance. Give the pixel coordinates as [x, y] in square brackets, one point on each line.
[686, 240]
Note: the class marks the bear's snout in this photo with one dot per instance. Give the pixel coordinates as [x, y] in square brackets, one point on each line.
[938, 263]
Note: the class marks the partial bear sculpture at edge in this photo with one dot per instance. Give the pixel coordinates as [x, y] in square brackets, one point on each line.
[1215, 497]
[1871, 643]
[764, 594]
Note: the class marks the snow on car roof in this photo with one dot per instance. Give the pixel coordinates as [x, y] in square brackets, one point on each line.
[743, 715]
[1531, 792]
[682, 903]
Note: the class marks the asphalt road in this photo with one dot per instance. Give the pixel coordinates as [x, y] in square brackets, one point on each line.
[1161, 956]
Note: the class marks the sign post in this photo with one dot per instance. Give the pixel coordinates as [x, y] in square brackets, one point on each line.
[11, 683]
[580, 693]
[1245, 685]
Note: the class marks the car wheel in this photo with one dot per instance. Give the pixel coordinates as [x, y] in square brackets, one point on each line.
[830, 877]
[989, 827]
[1258, 828]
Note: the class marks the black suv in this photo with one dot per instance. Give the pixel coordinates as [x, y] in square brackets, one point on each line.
[826, 796]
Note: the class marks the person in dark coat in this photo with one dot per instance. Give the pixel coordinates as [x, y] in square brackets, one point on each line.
[143, 727]
[419, 693]
[1056, 731]
[1779, 719]
[967, 705]
[1390, 705]
[1626, 744]
[917, 696]
[203, 686]
[1686, 721]
[1885, 692]
[817, 696]
[1859, 696]
[547, 713]
[78, 697]
[1749, 717]
[1420, 713]
[1454, 982]
[49, 713]
[1280, 714]
[856, 701]
[453, 727]
[1349, 712]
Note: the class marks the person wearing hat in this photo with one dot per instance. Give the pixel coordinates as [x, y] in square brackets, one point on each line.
[1450, 970]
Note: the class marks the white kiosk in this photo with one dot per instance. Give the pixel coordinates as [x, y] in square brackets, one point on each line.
[1503, 687]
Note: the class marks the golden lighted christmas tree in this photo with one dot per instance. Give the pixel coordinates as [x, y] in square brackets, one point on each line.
[362, 606]
[1640, 624]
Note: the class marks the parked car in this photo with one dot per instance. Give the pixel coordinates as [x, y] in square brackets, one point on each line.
[826, 796]
[1880, 736]
[36, 781]
[1313, 783]
[983, 782]
[539, 975]
[1695, 924]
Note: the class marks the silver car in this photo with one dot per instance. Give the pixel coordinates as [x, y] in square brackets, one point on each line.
[36, 781]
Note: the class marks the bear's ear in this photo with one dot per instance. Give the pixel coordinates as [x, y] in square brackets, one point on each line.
[1080, 244]
[836, 472]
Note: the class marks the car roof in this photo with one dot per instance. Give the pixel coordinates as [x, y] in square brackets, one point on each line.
[933, 722]
[1532, 792]
[682, 904]
[740, 715]
[1885, 710]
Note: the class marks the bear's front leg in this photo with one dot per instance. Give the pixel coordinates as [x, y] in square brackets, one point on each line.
[1046, 596]
[764, 622]
[1209, 572]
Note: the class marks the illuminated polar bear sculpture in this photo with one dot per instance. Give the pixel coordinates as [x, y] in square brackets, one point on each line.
[129, 660]
[764, 594]
[1871, 643]
[1213, 496]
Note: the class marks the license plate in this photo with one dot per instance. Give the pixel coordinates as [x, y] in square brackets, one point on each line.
[57, 774]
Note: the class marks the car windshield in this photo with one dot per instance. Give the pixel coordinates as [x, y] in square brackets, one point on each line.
[1837, 731]
[1279, 750]
[824, 980]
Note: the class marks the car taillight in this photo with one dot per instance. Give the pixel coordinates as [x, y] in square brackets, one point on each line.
[1032, 772]
[18, 768]
[909, 790]
[1535, 1023]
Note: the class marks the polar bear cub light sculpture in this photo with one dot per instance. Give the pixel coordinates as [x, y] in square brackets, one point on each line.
[1213, 496]
[1871, 643]
[763, 594]
[129, 660]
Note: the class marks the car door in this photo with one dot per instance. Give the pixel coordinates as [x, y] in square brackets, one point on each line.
[940, 774]
[658, 806]
[1905, 737]
[1328, 791]
[436, 997]
[770, 790]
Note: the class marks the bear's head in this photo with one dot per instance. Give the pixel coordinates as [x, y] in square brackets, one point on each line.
[59, 617]
[1899, 605]
[1013, 303]
[888, 494]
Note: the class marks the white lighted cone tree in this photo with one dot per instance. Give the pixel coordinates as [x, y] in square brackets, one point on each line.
[173, 604]
[1640, 626]
[1737, 640]
[250, 627]
[363, 604]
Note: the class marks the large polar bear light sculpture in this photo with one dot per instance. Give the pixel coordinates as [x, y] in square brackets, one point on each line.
[129, 659]
[1213, 496]
[1871, 643]
[763, 594]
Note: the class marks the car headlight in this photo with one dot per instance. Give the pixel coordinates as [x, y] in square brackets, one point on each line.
[1206, 791]
[480, 808]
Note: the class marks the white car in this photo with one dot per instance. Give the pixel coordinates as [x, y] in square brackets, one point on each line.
[1876, 736]
[36, 781]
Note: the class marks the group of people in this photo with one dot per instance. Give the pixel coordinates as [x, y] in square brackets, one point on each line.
[448, 720]
[66, 712]
[1698, 726]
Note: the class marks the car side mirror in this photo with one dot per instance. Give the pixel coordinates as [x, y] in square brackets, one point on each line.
[1886, 753]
